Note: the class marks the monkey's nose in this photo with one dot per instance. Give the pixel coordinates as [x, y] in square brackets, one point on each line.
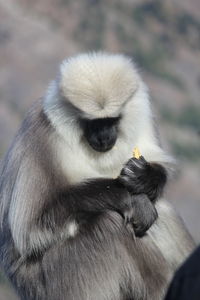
[103, 144]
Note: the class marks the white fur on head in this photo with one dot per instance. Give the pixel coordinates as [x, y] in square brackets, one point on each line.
[98, 83]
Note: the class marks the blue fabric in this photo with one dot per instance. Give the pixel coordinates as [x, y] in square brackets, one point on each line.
[186, 282]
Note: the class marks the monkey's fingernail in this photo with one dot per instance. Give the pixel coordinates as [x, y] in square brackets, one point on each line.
[136, 153]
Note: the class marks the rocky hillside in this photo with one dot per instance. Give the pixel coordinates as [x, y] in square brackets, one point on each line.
[163, 37]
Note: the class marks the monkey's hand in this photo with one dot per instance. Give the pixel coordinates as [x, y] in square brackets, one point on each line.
[143, 215]
[142, 177]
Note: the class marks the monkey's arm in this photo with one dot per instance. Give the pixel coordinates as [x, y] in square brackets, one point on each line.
[79, 206]
[54, 213]
[85, 201]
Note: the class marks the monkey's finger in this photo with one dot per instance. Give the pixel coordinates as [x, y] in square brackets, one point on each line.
[128, 216]
[140, 160]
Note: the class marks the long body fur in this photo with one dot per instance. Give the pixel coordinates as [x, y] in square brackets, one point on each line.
[59, 239]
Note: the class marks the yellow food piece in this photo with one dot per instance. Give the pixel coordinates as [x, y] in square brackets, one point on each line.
[136, 153]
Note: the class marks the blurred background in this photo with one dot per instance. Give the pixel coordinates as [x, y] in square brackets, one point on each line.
[162, 36]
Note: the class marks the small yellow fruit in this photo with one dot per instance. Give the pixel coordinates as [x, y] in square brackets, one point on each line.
[136, 153]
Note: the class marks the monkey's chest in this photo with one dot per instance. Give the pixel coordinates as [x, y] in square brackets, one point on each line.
[80, 165]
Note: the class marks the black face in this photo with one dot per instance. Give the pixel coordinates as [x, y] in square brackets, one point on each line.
[101, 134]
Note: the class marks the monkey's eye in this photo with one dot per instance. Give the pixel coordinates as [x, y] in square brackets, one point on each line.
[101, 122]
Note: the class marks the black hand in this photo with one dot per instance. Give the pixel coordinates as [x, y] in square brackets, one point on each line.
[140, 176]
[144, 214]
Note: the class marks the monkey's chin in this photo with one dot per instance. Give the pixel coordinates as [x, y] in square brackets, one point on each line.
[101, 149]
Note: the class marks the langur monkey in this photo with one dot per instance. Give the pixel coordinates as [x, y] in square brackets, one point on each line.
[81, 219]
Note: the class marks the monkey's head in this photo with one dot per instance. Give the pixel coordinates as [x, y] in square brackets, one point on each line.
[97, 88]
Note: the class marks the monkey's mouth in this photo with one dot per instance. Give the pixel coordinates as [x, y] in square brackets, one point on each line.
[102, 146]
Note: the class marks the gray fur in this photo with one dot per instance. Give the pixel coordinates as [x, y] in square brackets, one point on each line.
[54, 258]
